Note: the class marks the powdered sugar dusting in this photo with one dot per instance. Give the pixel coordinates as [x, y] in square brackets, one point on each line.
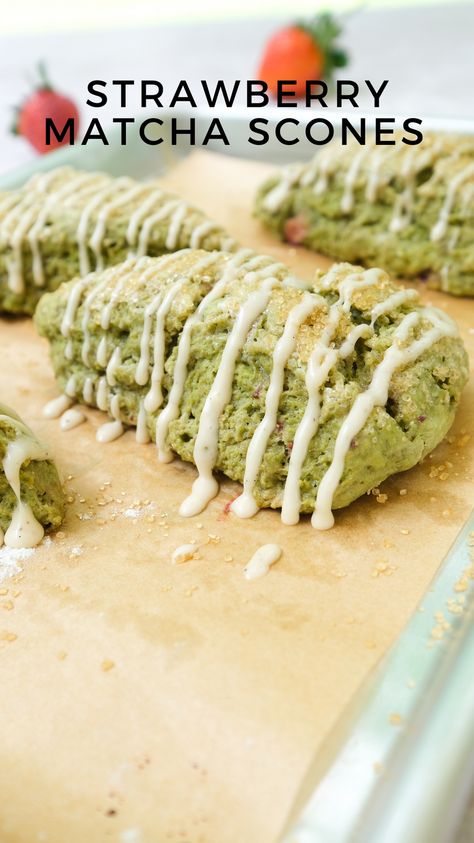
[10, 559]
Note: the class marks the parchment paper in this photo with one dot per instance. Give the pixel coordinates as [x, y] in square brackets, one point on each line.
[147, 702]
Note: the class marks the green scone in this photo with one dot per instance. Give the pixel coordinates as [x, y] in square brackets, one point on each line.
[64, 222]
[409, 209]
[308, 395]
[31, 496]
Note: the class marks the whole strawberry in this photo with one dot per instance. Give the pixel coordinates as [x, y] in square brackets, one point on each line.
[305, 51]
[44, 102]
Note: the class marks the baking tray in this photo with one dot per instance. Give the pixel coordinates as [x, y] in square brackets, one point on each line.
[401, 760]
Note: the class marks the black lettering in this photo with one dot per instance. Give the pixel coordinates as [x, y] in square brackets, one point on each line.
[215, 132]
[94, 126]
[407, 125]
[348, 128]
[255, 127]
[183, 94]
[376, 92]
[317, 122]
[351, 97]
[316, 96]
[279, 135]
[101, 96]
[381, 130]
[60, 136]
[256, 88]
[142, 131]
[219, 90]
[147, 95]
[122, 84]
[191, 131]
[122, 121]
[282, 93]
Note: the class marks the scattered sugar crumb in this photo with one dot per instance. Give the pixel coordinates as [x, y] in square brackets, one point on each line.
[395, 719]
[107, 665]
[6, 635]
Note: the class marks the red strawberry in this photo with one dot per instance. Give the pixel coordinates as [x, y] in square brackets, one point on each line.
[302, 52]
[44, 102]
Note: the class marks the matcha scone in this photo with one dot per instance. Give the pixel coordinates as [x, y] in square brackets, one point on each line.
[409, 209]
[310, 395]
[65, 223]
[31, 496]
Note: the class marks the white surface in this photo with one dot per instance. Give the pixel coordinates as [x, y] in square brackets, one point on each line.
[425, 52]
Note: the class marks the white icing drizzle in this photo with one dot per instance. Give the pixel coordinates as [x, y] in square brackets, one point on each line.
[373, 180]
[100, 195]
[164, 212]
[112, 365]
[109, 431]
[277, 195]
[262, 560]
[86, 312]
[154, 397]
[142, 369]
[375, 395]
[321, 361]
[347, 201]
[24, 530]
[55, 408]
[142, 435]
[121, 276]
[102, 394]
[88, 390]
[175, 225]
[101, 354]
[439, 229]
[71, 387]
[72, 187]
[71, 418]
[205, 487]
[170, 412]
[139, 215]
[23, 213]
[72, 304]
[245, 505]
[184, 553]
[96, 241]
[200, 232]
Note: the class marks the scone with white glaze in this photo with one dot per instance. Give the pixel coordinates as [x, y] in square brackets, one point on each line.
[308, 394]
[31, 495]
[65, 222]
[409, 209]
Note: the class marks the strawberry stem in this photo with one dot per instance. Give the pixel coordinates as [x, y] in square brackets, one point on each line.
[45, 84]
[325, 30]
